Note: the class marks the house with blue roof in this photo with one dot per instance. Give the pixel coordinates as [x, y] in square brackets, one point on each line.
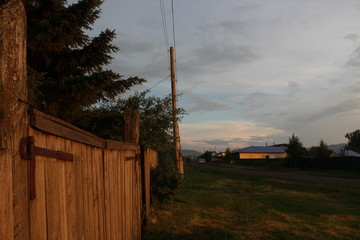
[261, 152]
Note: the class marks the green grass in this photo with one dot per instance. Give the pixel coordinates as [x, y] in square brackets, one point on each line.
[326, 173]
[218, 205]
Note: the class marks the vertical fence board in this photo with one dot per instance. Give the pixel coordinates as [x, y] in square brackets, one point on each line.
[96, 205]
[71, 194]
[119, 189]
[107, 195]
[38, 207]
[54, 184]
[122, 206]
[79, 190]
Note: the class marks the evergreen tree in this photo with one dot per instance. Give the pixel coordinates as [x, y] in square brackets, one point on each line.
[65, 66]
[296, 152]
[320, 152]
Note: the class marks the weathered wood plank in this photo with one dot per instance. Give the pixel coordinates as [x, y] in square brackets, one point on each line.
[94, 197]
[115, 145]
[122, 207]
[127, 199]
[38, 206]
[62, 193]
[132, 126]
[71, 193]
[99, 185]
[107, 195]
[120, 187]
[57, 127]
[79, 189]
[87, 195]
[54, 190]
[115, 194]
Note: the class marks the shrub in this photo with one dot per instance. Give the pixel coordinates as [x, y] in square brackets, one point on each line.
[165, 181]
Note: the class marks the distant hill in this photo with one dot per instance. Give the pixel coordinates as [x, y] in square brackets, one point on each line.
[336, 147]
[188, 153]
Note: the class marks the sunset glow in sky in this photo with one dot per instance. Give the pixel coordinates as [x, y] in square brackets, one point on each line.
[250, 72]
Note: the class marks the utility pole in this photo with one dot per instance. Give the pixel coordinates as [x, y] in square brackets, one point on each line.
[178, 158]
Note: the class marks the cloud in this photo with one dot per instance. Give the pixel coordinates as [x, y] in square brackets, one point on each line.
[225, 52]
[352, 36]
[293, 87]
[221, 29]
[233, 134]
[249, 141]
[201, 104]
[346, 107]
[255, 101]
[232, 26]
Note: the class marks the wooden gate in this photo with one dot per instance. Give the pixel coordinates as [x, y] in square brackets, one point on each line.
[81, 186]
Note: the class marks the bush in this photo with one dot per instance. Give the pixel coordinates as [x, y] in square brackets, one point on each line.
[165, 181]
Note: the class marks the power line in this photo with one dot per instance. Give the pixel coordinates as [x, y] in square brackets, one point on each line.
[163, 18]
[159, 82]
[173, 22]
[174, 38]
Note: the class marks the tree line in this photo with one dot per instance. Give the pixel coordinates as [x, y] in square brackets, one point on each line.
[299, 156]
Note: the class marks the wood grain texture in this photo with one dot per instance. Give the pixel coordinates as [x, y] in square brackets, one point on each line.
[132, 126]
[14, 203]
[97, 196]
[57, 127]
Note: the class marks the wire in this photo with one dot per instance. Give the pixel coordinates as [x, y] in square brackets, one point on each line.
[163, 18]
[173, 21]
[174, 38]
[159, 82]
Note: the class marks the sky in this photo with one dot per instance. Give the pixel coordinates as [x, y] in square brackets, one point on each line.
[250, 72]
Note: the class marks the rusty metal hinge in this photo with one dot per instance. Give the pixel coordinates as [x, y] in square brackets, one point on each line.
[28, 151]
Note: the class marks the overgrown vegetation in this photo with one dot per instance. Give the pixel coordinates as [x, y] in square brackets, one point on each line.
[156, 120]
[165, 181]
[218, 205]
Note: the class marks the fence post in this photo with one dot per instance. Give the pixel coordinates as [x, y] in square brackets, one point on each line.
[14, 197]
[132, 126]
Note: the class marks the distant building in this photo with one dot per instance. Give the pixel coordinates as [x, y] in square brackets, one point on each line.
[346, 153]
[222, 154]
[260, 152]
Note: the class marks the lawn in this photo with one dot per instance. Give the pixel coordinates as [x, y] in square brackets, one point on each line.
[224, 206]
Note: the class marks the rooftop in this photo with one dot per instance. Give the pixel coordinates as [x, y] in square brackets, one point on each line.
[261, 149]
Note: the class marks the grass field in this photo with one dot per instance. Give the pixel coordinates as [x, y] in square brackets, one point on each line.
[224, 206]
[262, 166]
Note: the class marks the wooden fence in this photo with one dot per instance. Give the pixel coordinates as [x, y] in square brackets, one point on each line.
[58, 181]
[97, 195]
